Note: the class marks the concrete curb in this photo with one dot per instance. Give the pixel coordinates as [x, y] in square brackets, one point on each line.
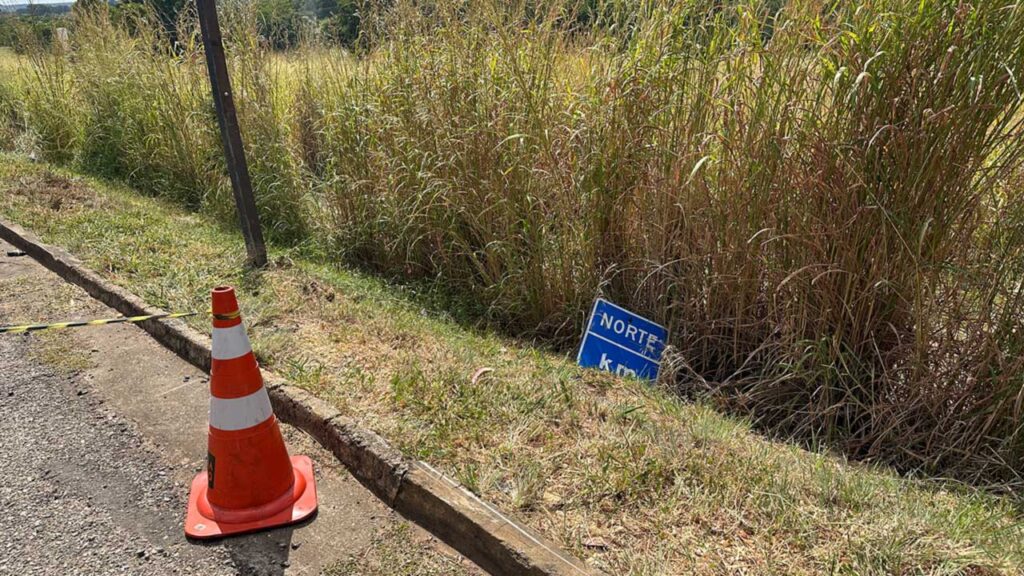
[476, 529]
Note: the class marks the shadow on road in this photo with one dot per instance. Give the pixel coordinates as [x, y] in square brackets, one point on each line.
[260, 554]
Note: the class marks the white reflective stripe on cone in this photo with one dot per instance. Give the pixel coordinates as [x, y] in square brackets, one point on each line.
[230, 343]
[240, 413]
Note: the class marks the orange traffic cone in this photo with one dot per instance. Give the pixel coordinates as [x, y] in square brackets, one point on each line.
[250, 483]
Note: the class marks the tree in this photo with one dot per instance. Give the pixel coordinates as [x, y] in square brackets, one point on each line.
[339, 20]
[87, 6]
[166, 10]
[8, 30]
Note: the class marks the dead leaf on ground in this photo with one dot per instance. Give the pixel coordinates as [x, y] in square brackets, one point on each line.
[479, 373]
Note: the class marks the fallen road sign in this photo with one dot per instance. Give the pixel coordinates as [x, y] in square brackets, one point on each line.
[619, 341]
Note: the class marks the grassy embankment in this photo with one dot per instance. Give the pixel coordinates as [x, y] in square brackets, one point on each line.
[619, 472]
[823, 205]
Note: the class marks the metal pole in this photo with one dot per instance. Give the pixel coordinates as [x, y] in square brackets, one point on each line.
[248, 217]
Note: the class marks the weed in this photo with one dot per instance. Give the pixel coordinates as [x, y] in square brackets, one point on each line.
[624, 474]
[819, 202]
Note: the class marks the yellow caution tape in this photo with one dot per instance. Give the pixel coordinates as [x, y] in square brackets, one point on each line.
[62, 325]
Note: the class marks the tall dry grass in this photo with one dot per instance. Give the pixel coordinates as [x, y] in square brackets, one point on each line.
[822, 201]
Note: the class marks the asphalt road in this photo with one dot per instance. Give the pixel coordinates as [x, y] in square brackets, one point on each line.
[82, 492]
[101, 431]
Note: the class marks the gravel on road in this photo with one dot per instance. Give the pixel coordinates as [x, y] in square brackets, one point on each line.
[81, 492]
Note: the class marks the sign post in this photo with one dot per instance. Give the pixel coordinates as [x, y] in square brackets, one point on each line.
[619, 341]
[248, 217]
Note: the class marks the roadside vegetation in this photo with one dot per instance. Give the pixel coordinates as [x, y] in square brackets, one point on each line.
[821, 200]
[624, 474]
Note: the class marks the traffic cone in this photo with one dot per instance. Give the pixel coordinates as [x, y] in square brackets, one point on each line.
[250, 483]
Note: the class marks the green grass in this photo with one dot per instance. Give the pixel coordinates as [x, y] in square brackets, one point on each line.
[626, 475]
[11, 125]
[56, 349]
[8, 59]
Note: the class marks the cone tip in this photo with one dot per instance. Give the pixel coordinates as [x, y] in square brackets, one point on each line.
[224, 301]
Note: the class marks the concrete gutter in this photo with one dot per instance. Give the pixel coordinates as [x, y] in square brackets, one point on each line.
[419, 492]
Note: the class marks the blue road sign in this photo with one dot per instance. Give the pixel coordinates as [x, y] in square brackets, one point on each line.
[621, 342]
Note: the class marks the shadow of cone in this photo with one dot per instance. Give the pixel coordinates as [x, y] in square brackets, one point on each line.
[250, 482]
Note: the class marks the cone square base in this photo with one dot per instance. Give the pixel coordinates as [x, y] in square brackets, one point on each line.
[200, 527]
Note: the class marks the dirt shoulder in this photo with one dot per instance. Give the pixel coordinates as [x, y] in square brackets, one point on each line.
[104, 430]
[625, 475]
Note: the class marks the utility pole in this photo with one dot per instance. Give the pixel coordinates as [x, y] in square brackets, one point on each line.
[248, 217]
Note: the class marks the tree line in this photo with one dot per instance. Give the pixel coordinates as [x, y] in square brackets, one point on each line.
[282, 23]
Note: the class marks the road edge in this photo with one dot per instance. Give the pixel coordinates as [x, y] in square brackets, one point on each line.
[416, 490]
